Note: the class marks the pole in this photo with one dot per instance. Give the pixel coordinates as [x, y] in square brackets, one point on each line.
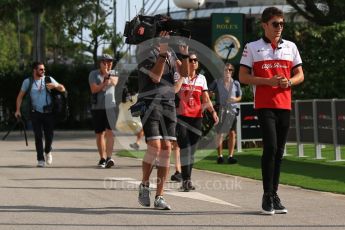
[19, 43]
[37, 37]
[114, 25]
[129, 18]
[143, 8]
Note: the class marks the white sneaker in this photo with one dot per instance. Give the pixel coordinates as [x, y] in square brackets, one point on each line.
[41, 164]
[49, 158]
[161, 204]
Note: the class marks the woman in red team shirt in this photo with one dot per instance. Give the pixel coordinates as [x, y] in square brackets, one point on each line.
[194, 98]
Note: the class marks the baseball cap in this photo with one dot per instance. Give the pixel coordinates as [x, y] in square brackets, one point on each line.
[106, 57]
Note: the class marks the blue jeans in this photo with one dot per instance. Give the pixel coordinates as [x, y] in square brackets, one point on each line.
[43, 121]
[275, 126]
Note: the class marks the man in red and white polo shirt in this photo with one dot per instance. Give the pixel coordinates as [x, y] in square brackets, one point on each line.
[272, 65]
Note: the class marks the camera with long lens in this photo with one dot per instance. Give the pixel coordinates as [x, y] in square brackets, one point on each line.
[142, 28]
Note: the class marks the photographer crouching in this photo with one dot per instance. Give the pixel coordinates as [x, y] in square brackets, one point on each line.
[160, 75]
[41, 114]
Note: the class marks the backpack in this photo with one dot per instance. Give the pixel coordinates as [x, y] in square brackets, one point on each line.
[25, 107]
[59, 101]
[60, 105]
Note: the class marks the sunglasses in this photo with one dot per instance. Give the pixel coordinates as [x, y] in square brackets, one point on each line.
[230, 70]
[41, 70]
[193, 60]
[277, 24]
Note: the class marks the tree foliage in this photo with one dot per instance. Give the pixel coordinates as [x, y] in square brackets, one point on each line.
[322, 50]
[9, 47]
[321, 12]
[87, 23]
[71, 29]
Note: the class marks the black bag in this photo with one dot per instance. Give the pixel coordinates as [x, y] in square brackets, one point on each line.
[26, 106]
[60, 105]
[207, 122]
[138, 109]
[59, 102]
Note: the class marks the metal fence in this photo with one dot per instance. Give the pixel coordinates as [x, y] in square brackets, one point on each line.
[315, 122]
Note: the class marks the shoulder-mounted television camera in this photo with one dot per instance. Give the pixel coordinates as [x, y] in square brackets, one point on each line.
[142, 28]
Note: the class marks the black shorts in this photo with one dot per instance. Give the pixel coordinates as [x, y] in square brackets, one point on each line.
[222, 128]
[159, 121]
[100, 120]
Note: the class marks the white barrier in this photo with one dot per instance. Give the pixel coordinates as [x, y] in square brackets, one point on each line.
[317, 122]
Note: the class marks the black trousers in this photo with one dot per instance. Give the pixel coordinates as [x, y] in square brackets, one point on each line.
[45, 122]
[275, 126]
[188, 135]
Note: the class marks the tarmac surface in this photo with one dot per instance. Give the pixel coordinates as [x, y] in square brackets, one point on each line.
[73, 193]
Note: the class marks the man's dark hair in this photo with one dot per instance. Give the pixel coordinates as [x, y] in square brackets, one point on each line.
[270, 12]
[36, 64]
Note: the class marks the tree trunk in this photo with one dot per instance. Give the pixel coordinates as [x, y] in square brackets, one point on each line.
[37, 44]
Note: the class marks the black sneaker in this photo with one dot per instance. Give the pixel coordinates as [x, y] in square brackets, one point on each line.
[101, 163]
[220, 160]
[277, 205]
[176, 177]
[187, 186]
[267, 204]
[232, 160]
[109, 163]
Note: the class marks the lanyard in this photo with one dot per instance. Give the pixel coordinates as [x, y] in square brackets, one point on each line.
[193, 87]
[39, 88]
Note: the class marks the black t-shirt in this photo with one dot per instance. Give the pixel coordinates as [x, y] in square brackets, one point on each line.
[164, 90]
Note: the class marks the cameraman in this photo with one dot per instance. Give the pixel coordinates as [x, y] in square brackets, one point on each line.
[41, 110]
[159, 78]
[102, 83]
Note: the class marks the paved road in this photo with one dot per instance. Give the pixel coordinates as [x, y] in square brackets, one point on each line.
[74, 194]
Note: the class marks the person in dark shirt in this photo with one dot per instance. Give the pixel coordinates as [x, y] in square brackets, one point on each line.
[159, 74]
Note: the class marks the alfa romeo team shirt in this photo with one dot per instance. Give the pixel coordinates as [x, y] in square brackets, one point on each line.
[265, 61]
[190, 94]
